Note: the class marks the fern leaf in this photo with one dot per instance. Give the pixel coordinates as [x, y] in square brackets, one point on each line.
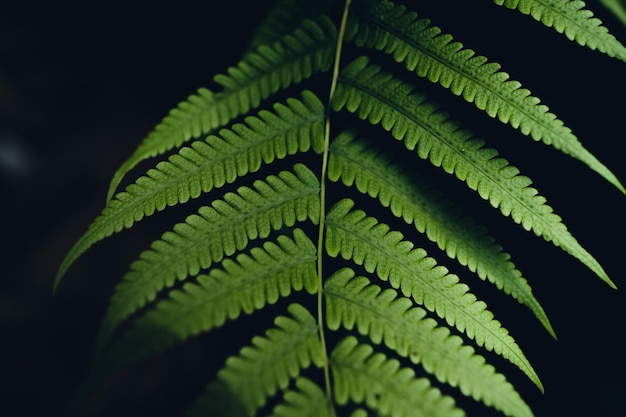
[298, 56]
[378, 97]
[366, 242]
[373, 172]
[383, 385]
[269, 364]
[573, 20]
[295, 127]
[245, 284]
[215, 232]
[284, 16]
[309, 50]
[308, 401]
[425, 50]
[384, 316]
[190, 119]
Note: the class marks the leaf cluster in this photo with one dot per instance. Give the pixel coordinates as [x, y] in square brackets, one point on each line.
[342, 95]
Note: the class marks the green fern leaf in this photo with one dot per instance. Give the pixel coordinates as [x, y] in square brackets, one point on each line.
[573, 20]
[245, 284]
[210, 164]
[190, 119]
[424, 49]
[373, 172]
[384, 316]
[260, 370]
[383, 385]
[367, 242]
[382, 99]
[284, 16]
[248, 249]
[215, 232]
[308, 401]
[307, 51]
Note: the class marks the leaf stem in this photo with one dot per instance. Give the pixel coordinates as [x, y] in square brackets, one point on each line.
[323, 175]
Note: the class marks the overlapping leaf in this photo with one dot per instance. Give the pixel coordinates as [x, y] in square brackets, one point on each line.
[573, 20]
[308, 401]
[354, 236]
[269, 364]
[295, 42]
[216, 231]
[355, 161]
[366, 377]
[244, 284]
[386, 317]
[295, 57]
[205, 165]
[423, 49]
[284, 16]
[385, 100]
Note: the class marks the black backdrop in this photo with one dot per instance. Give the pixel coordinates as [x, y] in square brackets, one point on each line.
[82, 84]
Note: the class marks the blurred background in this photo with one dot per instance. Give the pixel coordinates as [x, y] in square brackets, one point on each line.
[80, 86]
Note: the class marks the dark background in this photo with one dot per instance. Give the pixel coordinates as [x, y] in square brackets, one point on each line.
[80, 86]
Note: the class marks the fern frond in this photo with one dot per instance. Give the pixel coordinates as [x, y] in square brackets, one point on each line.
[382, 99]
[297, 56]
[573, 20]
[364, 377]
[216, 231]
[283, 18]
[309, 50]
[190, 119]
[245, 284]
[365, 241]
[357, 162]
[269, 364]
[308, 401]
[386, 317]
[423, 49]
[205, 165]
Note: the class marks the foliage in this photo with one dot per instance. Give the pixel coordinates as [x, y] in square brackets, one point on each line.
[316, 173]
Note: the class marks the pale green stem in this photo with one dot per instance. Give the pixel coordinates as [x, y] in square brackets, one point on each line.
[320, 240]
